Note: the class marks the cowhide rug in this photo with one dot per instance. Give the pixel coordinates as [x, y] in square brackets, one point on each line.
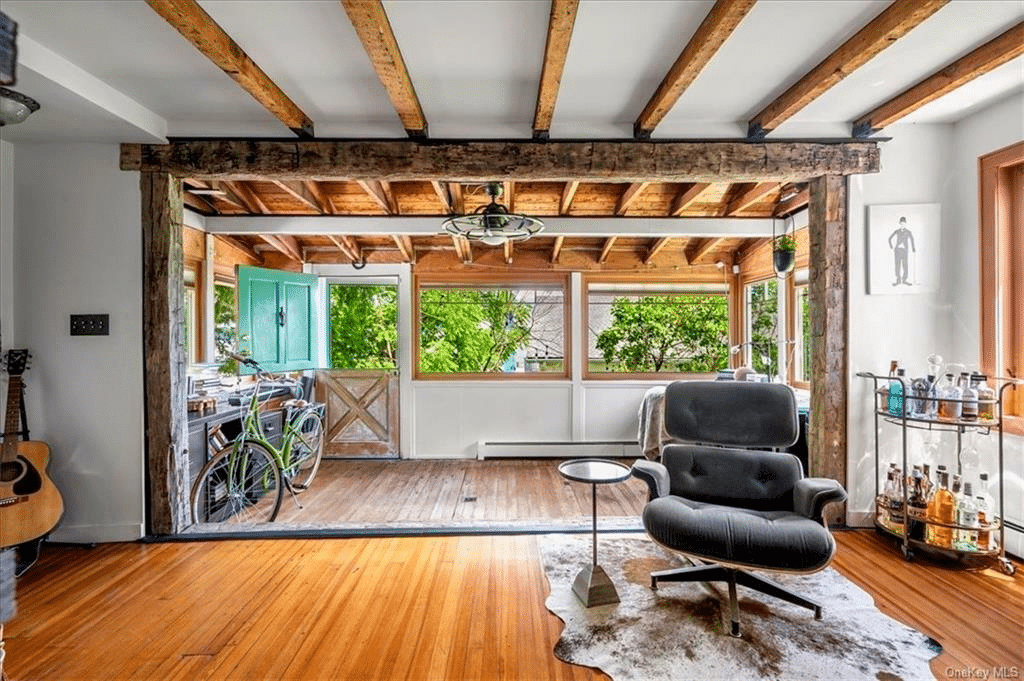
[679, 631]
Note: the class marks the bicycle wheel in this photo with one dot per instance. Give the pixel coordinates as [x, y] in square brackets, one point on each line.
[307, 450]
[239, 485]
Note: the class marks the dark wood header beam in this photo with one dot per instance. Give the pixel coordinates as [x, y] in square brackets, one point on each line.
[192, 22]
[374, 30]
[484, 161]
[716, 28]
[893, 23]
[995, 52]
[563, 16]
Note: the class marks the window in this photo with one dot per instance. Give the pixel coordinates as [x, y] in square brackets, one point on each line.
[482, 328]
[224, 326]
[190, 313]
[801, 337]
[761, 330]
[643, 328]
[363, 325]
[1002, 272]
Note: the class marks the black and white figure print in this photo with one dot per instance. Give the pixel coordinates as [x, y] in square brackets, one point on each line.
[903, 248]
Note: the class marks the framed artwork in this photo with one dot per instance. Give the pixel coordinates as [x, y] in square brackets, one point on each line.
[903, 248]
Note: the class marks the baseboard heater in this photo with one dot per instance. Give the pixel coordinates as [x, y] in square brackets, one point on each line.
[558, 450]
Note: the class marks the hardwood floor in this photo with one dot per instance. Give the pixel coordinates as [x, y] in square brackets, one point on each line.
[389, 608]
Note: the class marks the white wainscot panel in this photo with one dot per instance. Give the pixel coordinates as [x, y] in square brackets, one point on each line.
[611, 409]
[452, 417]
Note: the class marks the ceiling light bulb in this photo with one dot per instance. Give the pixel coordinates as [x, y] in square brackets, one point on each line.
[493, 239]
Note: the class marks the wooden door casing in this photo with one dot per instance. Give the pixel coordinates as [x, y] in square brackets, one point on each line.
[362, 413]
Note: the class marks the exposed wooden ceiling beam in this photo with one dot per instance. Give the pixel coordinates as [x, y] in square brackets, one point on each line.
[716, 28]
[687, 196]
[285, 243]
[603, 161]
[894, 22]
[606, 249]
[189, 19]
[241, 194]
[463, 249]
[444, 195]
[751, 196]
[300, 190]
[568, 194]
[374, 30]
[389, 196]
[996, 52]
[345, 248]
[238, 245]
[656, 248]
[322, 199]
[557, 249]
[508, 252]
[563, 16]
[507, 189]
[353, 247]
[375, 189]
[629, 196]
[699, 248]
[747, 248]
[458, 203]
[793, 204]
[404, 244]
[198, 203]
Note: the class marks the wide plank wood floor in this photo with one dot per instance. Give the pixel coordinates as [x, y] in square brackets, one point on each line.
[467, 607]
[456, 492]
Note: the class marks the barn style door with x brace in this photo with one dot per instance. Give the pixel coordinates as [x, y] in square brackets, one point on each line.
[362, 413]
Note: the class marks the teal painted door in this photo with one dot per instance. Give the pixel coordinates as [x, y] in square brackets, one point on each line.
[276, 318]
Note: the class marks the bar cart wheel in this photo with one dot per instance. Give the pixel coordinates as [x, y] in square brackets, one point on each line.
[1007, 567]
[908, 553]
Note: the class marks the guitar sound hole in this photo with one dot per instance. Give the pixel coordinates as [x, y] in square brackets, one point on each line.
[12, 471]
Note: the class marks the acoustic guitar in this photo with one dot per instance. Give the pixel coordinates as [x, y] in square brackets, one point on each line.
[30, 505]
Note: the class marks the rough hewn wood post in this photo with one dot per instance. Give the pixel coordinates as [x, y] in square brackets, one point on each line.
[164, 353]
[829, 310]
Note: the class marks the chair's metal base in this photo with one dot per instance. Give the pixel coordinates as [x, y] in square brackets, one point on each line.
[593, 587]
[718, 573]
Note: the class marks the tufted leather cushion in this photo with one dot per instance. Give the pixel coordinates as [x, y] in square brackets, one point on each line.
[732, 413]
[732, 477]
[774, 540]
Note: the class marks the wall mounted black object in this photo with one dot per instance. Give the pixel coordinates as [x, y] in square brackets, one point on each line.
[90, 325]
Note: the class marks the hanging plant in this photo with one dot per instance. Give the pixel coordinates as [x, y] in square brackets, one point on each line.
[784, 253]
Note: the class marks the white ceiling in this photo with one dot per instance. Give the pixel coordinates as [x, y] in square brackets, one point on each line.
[116, 71]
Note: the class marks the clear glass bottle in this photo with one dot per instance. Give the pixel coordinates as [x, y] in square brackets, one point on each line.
[895, 402]
[942, 510]
[882, 393]
[920, 389]
[986, 507]
[949, 399]
[928, 487]
[969, 397]
[888, 492]
[896, 500]
[986, 399]
[967, 517]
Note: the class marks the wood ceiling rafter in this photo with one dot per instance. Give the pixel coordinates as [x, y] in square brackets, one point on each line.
[371, 24]
[606, 249]
[323, 200]
[629, 196]
[697, 249]
[444, 195]
[482, 161]
[508, 248]
[300, 191]
[198, 203]
[556, 250]
[380, 193]
[235, 243]
[199, 28]
[657, 247]
[404, 244]
[716, 28]
[284, 243]
[463, 249]
[508, 196]
[556, 48]
[750, 197]
[568, 194]
[687, 196]
[352, 252]
[793, 204]
[894, 22]
[748, 248]
[458, 201]
[242, 195]
[996, 52]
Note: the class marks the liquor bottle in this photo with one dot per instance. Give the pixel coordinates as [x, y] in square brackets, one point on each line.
[934, 367]
[888, 491]
[896, 500]
[967, 517]
[949, 399]
[984, 517]
[942, 510]
[927, 486]
[986, 399]
[917, 507]
[969, 395]
[921, 389]
[896, 393]
[930, 529]
[986, 506]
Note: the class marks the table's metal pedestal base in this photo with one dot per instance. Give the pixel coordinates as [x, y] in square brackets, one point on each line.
[593, 587]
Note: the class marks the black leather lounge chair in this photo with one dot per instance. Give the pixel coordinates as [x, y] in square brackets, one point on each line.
[731, 507]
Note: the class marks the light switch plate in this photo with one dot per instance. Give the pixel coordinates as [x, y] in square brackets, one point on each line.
[90, 325]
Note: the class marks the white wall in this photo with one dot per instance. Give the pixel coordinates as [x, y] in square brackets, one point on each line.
[78, 249]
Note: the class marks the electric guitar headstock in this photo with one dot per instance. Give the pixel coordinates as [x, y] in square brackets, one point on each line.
[16, 361]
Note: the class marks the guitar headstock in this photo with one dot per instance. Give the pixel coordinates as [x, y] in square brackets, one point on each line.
[16, 361]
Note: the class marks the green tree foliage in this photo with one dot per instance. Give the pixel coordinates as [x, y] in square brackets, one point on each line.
[364, 327]
[666, 333]
[471, 331]
[224, 326]
[764, 315]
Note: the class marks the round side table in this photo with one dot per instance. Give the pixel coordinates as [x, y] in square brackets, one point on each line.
[592, 585]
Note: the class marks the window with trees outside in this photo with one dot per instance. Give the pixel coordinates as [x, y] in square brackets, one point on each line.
[478, 328]
[224, 326]
[363, 325]
[664, 328]
[801, 338]
[761, 349]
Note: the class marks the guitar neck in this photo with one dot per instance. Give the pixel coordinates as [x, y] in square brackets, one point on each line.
[12, 420]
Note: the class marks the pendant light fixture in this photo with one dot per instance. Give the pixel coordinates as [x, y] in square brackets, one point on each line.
[15, 107]
[493, 224]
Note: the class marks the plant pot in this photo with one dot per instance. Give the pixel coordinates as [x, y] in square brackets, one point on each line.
[784, 261]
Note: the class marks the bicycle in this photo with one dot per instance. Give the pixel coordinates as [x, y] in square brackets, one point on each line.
[244, 482]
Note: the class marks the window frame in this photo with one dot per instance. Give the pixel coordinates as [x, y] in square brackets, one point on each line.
[1001, 257]
[781, 288]
[522, 279]
[795, 336]
[369, 280]
[596, 278]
